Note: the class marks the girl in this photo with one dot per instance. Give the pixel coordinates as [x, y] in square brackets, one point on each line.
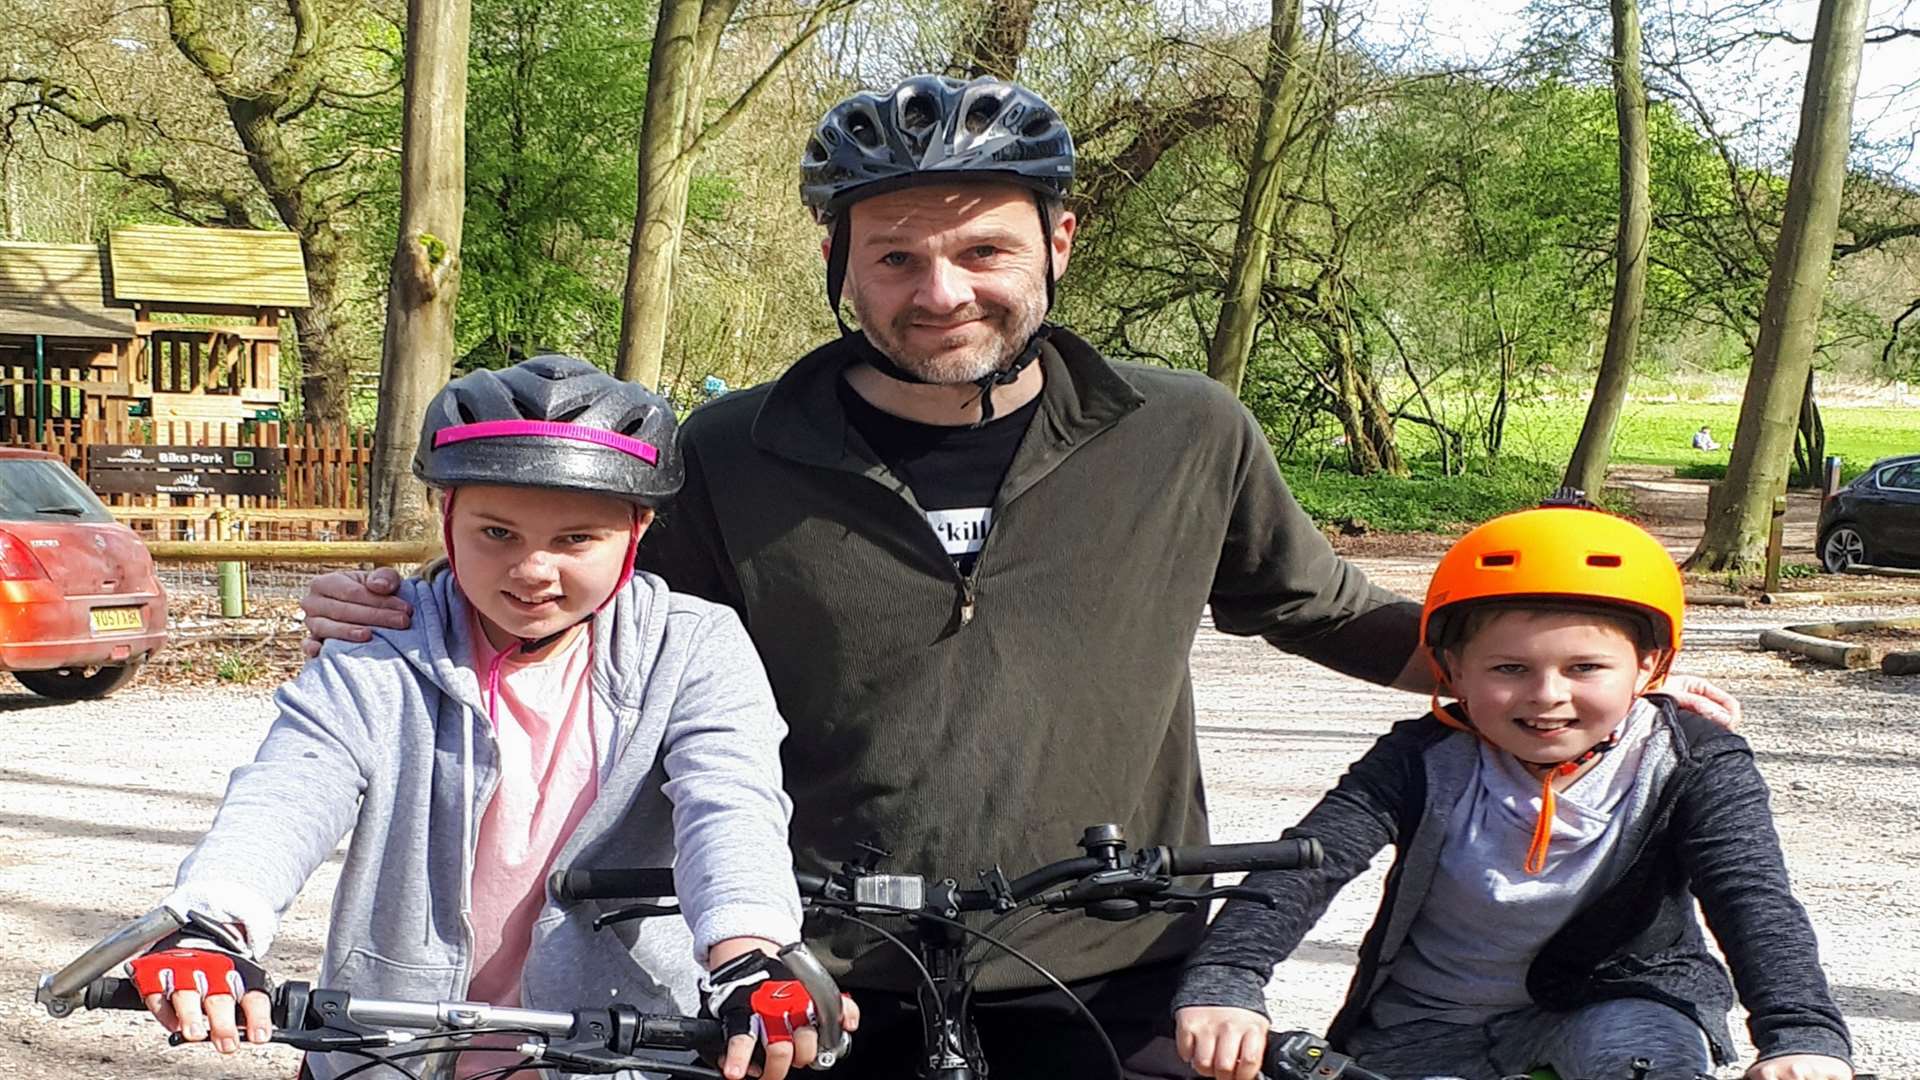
[548, 707]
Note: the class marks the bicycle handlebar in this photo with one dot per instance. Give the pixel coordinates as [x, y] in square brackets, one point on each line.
[1185, 861]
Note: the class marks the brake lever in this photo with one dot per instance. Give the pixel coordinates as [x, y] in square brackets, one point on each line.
[635, 911]
[1228, 892]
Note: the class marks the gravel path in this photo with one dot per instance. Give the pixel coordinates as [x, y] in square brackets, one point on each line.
[98, 802]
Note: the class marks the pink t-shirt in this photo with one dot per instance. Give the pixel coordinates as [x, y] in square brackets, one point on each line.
[543, 725]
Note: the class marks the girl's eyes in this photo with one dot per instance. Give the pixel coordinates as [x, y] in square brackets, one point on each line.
[1510, 669]
[495, 532]
[577, 539]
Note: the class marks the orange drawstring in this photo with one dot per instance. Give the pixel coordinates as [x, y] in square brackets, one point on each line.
[1543, 828]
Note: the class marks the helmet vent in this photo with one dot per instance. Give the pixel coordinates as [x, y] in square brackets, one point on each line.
[861, 128]
[1504, 558]
[1603, 560]
[1038, 125]
[981, 114]
[466, 414]
[919, 113]
[572, 415]
[815, 152]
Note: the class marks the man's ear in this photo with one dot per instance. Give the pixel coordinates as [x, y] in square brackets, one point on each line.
[1064, 231]
[826, 246]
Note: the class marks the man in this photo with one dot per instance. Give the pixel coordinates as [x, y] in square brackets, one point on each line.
[973, 555]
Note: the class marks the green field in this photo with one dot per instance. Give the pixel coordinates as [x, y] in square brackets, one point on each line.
[1539, 439]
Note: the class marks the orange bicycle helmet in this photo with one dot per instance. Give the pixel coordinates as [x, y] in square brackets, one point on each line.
[1564, 551]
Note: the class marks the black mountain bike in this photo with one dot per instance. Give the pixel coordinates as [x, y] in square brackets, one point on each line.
[397, 1036]
[1106, 882]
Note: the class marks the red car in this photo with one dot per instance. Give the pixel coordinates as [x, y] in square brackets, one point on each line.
[80, 606]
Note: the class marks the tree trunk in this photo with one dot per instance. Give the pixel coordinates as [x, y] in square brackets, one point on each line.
[1587, 469]
[1253, 240]
[285, 178]
[1740, 507]
[665, 179]
[997, 41]
[323, 364]
[1809, 441]
[417, 354]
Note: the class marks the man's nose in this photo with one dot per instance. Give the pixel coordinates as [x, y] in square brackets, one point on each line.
[944, 287]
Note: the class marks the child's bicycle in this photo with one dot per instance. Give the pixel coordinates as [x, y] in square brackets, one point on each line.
[1106, 882]
[391, 1034]
[1302, 1055]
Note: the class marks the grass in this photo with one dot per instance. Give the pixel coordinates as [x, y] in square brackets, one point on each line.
[1661, 433]
[1420, 503]
[1540, 437]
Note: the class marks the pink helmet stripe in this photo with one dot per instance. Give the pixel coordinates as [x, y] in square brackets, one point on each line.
[548, 429]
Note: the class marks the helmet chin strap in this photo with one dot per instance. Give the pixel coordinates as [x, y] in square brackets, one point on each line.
[885, 365]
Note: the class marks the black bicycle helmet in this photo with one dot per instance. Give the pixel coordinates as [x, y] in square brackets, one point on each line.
[552, 422]
[932, 129]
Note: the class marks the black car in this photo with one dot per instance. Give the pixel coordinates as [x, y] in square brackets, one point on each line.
[1875, 520]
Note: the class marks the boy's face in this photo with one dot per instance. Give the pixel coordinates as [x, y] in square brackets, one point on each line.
[534, 563]
[1547, 686]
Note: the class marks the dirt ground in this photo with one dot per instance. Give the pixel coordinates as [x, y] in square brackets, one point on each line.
[99, 801]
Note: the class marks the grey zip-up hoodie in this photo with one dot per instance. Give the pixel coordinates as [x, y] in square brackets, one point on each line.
[391, 740]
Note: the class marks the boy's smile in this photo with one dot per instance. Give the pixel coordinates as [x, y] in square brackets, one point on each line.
[1548, 686]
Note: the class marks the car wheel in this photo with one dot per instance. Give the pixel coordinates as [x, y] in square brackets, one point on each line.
[74, 684]
[1843, 546]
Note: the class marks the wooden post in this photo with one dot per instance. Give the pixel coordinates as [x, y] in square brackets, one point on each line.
[1774, 531]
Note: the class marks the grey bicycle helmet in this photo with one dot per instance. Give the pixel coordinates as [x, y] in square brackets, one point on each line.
[552, 422]
[932, 129]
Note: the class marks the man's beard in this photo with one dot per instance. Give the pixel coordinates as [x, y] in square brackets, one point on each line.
[1009, 330]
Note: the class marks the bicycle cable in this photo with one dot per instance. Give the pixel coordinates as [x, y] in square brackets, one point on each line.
[940, 1007]
[1106, 1044]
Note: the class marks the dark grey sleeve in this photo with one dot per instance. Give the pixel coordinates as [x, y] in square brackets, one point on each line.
[1730, 849]
[1278, 578]
[1353, 822]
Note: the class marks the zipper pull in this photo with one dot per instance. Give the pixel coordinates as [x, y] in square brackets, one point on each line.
[966, 599]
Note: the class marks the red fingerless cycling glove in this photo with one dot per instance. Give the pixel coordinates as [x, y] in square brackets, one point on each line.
[755, 995]
[206, 971]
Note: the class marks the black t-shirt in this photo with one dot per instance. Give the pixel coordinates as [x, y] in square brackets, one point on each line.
[954, 472]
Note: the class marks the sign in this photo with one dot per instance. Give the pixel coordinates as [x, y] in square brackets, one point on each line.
[185, 470]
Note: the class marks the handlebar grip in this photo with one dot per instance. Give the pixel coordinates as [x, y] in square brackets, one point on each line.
[108, 992]
[621, 884]
[1300, 853]
[682, 1033]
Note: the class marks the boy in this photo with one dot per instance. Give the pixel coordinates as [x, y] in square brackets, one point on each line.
[1552, 828]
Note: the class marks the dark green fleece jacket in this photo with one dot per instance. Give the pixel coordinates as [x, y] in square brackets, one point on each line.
[969, 721]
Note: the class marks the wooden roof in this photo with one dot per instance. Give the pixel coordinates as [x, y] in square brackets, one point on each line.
[59, 290]
[231, 267]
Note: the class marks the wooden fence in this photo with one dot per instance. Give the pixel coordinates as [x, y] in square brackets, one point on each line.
[323, 490]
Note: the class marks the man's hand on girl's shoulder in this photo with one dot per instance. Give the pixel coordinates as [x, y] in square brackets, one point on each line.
[343, 604]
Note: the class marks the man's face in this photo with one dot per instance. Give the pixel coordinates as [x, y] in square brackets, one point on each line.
[949, 281]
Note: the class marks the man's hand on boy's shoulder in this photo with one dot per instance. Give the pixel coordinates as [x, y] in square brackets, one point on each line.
[343, 604]
[1696, 695]
[1801, 1067]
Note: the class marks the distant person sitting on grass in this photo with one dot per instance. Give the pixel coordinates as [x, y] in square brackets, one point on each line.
[1703, 439]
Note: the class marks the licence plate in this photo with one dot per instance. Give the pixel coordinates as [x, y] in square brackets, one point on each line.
[116, 620]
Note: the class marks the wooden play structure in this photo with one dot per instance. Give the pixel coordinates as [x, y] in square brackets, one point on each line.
[161, 323]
